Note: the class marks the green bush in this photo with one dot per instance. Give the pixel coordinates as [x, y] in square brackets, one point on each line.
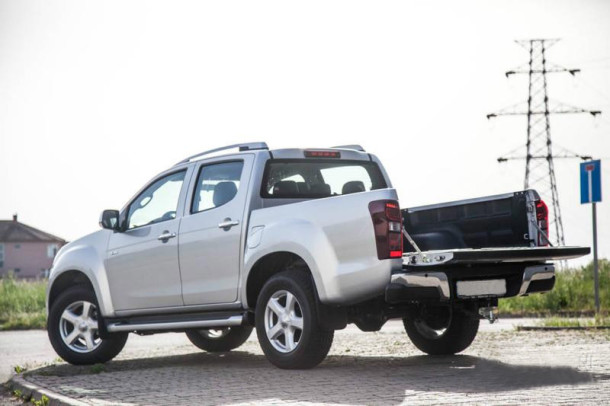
[22, 304]
[573, 292]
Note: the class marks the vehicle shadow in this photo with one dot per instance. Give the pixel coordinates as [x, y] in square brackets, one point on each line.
[244, 377]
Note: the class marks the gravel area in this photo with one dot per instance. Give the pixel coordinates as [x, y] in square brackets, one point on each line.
[502, 366]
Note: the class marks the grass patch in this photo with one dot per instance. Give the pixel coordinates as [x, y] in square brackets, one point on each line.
[22, 304]
[19, 369]
[44, 401]
[573, 292]
[97, 368]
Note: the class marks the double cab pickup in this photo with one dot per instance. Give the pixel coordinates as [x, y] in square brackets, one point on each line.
[295, 243]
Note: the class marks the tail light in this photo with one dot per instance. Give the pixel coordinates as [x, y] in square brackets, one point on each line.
[387, 221]
[322, 154]
[542, 217]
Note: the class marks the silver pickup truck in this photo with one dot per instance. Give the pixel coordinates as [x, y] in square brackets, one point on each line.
[296, 243]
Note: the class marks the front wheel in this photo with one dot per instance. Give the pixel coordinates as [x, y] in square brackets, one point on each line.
[221, 339]
[287, 322]
[73, 329]
[441, 330]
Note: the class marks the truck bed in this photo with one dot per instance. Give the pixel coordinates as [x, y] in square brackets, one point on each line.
[491, 221]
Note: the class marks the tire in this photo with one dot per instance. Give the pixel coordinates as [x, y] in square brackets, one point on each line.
[286, 308]
[73, 317]
[441, 330]
[219, 340]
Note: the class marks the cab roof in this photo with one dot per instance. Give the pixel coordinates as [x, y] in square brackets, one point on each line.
[351, 152]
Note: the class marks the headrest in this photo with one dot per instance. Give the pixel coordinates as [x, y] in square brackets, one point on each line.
[224, 192]
[320, 189]
[353, 186]
[285, 188]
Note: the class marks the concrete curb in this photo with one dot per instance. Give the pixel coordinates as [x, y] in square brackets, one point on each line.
[31, 390]
[550, 328]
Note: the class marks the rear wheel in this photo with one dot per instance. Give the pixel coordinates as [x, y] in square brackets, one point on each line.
[73, 329]
[441, 330]
[221, 339]
[287, 322]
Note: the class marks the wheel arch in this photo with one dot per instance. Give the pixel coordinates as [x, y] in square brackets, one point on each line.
[74, 276]
[66, 279]
[267, 266]
[330, 317]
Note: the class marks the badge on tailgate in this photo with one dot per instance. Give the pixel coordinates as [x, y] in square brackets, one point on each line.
[493, 287]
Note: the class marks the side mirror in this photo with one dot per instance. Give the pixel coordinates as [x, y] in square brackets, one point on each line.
[110, 219]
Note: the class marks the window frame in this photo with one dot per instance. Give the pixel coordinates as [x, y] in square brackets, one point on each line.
[265, 194]
[196, 184]
[55, 247]
[125, 225]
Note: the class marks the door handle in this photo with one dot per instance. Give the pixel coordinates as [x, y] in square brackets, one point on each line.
[228, 223]
[166, 236]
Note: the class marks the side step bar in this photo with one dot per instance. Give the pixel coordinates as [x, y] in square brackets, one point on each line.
[235, 320]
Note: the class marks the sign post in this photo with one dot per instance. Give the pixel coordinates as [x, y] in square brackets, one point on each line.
[591, 192]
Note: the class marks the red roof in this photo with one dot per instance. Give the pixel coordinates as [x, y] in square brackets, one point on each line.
[14, 231]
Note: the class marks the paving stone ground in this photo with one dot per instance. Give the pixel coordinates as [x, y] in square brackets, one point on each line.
[501, 367]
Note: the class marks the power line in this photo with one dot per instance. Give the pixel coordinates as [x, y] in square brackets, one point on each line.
[539, 164]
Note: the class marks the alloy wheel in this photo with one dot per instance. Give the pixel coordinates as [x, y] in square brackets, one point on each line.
[78, 327]
[283, 321]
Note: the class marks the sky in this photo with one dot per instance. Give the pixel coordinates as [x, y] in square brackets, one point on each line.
[98, 97]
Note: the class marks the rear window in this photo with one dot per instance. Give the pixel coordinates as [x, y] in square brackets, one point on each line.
[311, 178]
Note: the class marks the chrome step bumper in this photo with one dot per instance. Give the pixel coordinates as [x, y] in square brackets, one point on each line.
[415, 286]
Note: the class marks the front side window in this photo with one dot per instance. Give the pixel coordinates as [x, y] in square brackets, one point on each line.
[311, 178]
[157, 203]
[217, 184]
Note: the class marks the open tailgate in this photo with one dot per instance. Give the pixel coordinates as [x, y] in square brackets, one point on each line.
[492, 255]
[484, 273]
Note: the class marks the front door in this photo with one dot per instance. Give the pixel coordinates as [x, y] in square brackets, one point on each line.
[142, 262]
[210, 232]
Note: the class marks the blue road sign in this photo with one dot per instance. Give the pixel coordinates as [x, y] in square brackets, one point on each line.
[591, 182]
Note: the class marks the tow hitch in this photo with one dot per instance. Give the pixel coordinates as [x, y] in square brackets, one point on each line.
[489, 313]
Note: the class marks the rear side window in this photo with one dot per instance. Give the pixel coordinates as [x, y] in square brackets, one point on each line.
[217, 184]
[312, 178]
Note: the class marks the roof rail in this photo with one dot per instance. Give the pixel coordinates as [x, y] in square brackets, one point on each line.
[242, 147]
[351, 146]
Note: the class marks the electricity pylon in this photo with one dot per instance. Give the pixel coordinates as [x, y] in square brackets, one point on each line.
[539, 166]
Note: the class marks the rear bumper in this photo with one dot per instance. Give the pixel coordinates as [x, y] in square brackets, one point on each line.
[441, 286]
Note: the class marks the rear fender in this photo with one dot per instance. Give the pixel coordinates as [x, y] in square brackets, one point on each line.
[336, 239]
[298, 237]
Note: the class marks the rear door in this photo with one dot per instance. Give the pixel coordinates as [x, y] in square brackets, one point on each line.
[210, 237]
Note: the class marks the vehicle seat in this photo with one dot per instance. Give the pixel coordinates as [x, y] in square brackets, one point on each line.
[353, 186]
[285, 188]
[320, 189]
[224, 192]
